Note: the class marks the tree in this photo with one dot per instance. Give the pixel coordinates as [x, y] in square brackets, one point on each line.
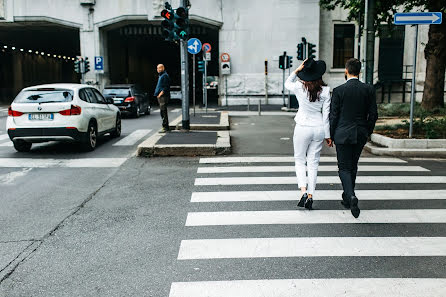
[435, 50]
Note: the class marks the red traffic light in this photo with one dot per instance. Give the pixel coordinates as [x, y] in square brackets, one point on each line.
[166, 14]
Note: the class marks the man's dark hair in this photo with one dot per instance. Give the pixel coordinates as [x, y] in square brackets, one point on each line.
[353, 66]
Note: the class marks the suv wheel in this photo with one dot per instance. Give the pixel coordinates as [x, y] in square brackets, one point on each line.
[91, 138]
[137, 112]
[22, 146]
[117, 132]
[148, 110]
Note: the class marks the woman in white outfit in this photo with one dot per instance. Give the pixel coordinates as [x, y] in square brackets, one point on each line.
[312, 124]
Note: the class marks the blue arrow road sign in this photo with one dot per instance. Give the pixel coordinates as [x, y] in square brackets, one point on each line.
[417, 18]
[194, 46]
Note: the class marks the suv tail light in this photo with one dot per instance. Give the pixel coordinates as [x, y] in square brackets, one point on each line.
[14, 113]
[129, 99]
[74, 110]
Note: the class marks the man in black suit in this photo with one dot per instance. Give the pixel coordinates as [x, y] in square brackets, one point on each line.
[353, 114]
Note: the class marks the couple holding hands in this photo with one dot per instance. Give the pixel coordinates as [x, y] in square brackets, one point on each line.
[346, 118]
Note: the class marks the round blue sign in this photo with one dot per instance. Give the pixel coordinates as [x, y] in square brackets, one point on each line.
[194, 46]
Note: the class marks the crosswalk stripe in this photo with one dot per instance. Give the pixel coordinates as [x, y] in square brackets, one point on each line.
[176, 110]
[288, 160]
[312, 247]
[289, 217]
[370, 287]
[6, 144]
[289, 180]
[322, 168]
[73, 163]
[244, 196]
[133, 138]
[4, 136]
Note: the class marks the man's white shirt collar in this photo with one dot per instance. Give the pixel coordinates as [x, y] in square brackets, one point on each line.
[354, 77]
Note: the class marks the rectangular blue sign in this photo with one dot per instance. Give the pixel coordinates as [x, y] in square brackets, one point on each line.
[417, 18]
[98, 63]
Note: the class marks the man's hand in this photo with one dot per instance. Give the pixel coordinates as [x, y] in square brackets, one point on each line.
[160, 94]
[329, 142]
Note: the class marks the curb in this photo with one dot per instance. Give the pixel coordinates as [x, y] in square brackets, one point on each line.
[408, 143]
[405, 152]
[149, 148]
[223, 125]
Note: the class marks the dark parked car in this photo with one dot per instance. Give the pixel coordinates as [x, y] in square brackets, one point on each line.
[129, 98]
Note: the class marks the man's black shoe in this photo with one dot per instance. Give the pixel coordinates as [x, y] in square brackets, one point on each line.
[354, 207]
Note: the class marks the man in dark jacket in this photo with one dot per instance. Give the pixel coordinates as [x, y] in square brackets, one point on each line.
[162, 93]
[353, 114]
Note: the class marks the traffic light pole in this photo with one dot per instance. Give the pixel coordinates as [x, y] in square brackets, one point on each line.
[193, 81]
[184, 84]
[283, 80]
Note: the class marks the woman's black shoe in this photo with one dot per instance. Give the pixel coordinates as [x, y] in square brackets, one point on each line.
[302, 200]
[309, 204]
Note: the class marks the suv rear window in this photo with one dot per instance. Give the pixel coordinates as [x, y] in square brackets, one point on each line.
[44, 95]
[117, 92]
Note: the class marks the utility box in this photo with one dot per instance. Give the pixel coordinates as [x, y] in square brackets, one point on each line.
[88, 2]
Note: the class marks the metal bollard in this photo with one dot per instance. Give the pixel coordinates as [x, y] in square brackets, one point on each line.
[248, 103]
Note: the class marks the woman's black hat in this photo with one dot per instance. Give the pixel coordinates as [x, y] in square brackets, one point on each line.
[313, 70]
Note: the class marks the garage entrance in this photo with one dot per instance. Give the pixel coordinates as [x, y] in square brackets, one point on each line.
[134, 51]
[35, 53]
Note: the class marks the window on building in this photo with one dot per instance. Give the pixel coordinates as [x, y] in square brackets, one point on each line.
[344, 44]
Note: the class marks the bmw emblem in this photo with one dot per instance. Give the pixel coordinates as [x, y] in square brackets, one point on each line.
[39, 108]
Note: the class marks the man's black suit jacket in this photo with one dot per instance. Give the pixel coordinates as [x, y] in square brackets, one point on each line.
[353, 112]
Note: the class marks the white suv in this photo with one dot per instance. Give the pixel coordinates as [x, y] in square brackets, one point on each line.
[61, 112]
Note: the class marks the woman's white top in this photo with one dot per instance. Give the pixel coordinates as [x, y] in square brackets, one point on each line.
[310, 113]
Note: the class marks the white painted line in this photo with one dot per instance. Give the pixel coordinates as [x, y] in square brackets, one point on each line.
[4, 136]
[51, 163]
[7, 144]
[354, 287]
[290, 217]
[291, 180]
[10, 177]
[289, 160]
[242, 196]
[176, 110]
[312, 247]
[256, 113]
[155, 110]
[133, 138]
[324, 168]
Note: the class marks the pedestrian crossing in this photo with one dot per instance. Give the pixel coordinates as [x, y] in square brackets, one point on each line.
[229, 224]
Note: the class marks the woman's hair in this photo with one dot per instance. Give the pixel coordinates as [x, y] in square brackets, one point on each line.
[314, 88]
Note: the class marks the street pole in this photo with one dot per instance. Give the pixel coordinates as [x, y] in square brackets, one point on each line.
[289, 97]
[412, 93]
[184, 80]
[370, 44]
[226, 89]
[266, 81]
[283, 79]
[193, 79]
[205, 91]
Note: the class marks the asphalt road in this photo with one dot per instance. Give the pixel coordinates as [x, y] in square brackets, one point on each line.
[199, 227]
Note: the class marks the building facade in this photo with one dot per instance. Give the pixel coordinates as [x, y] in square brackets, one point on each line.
[40, 39]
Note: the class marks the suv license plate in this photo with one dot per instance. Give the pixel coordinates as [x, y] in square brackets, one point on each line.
[41, 117]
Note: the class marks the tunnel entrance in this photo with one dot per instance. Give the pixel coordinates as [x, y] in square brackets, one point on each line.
[35, 53]
[134, 51]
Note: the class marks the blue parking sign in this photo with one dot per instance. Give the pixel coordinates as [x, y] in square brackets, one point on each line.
[99, 63]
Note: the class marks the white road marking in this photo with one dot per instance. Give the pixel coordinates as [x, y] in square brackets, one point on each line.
[291, 180]
[370, 287]
[312, 247]
[176, 110]
[325, 168]
[254, 113]
[10, 177]
[289, 160]
[240, 196]
[155, 110]
[133, 138]
[4, 136]
[7, 144]
[290, 217]
[73, 163]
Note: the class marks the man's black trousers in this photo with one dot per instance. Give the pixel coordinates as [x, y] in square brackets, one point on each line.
[348, 157]
[162, 101]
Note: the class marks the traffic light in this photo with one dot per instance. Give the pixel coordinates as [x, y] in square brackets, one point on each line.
[289, 62]
[182, 23]
[282, 62]
[311, 50]
[168, 23]
[300, 51]
[201, 66]
[87, 65]
[77, 66]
